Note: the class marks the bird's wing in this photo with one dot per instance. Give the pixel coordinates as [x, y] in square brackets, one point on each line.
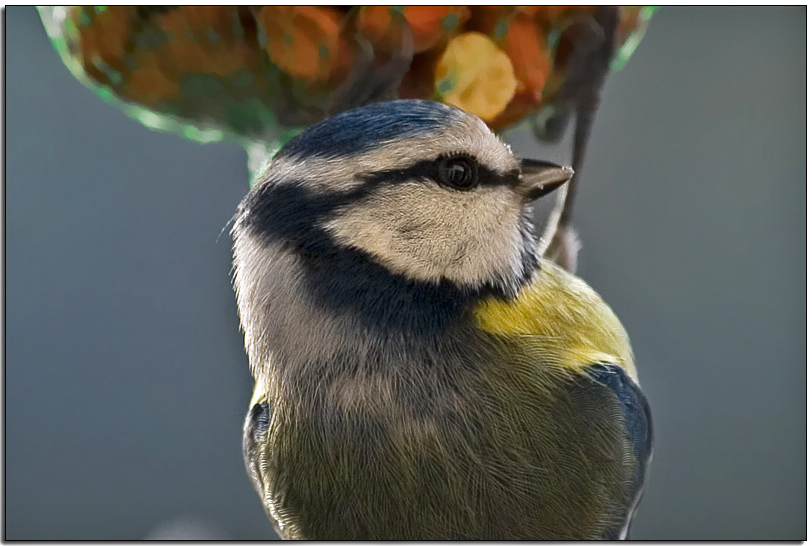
[638, 424]
[560, 322]
[255, 429]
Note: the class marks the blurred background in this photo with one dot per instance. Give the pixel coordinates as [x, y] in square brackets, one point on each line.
[126, 379]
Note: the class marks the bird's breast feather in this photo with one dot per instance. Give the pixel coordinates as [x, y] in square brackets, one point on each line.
[559, 314]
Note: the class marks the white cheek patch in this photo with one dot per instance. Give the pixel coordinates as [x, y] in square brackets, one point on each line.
[430, 233]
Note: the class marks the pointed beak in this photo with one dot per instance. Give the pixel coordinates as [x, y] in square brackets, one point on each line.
[538, 178]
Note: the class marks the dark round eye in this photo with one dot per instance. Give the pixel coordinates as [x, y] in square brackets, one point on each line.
[459, 172]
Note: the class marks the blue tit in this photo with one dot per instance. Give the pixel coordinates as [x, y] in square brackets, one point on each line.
[421, 372]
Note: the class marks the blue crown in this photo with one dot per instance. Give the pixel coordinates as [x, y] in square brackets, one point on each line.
[361, 129]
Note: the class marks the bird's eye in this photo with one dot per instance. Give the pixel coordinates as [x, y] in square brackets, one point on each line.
[458, 172]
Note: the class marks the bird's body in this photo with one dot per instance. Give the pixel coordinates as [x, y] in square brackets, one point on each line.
[421, 373]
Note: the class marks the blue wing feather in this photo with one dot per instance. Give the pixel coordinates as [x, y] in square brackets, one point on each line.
[637, 416]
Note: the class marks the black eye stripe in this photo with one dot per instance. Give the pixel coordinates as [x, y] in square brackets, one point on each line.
[427, 169]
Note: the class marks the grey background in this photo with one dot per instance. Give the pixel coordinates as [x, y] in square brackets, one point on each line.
[126, 381]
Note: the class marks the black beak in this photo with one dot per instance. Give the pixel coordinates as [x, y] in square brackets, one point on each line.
[538, 178]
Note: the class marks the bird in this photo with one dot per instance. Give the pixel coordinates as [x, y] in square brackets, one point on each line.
[421, 371]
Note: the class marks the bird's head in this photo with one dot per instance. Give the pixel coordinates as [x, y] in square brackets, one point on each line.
[423, 189]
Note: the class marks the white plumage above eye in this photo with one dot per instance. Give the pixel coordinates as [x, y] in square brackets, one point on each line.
[458, 172]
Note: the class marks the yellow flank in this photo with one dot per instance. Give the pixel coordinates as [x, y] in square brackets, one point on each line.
[561, 319]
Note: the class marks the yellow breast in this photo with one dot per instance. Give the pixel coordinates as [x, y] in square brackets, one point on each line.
[561, 318]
